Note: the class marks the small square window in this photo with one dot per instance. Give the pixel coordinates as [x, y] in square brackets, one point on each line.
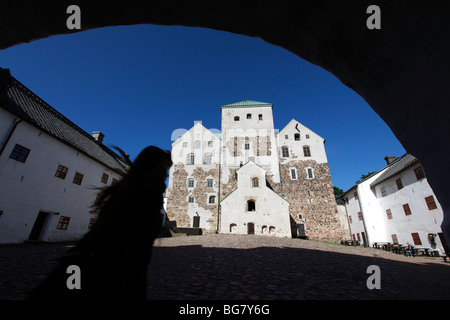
[61, 172]
[104, 178]
[383, 192]
[419, 173]
[431, 204]
[286, 136]
[184, 144]
[20, 153]
[407, 209]
[210, 143]
[260, 117]
[63, 223]
[307, 136]
[78, 178]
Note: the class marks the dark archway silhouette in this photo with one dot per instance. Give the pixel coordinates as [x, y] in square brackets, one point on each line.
[401, 70]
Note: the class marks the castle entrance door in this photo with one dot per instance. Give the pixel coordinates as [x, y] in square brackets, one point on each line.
[250, 228]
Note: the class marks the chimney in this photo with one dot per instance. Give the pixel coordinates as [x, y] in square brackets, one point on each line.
[389, 159]
[98, 136]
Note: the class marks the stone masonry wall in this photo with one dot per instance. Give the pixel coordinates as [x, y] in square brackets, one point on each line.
[313, 199]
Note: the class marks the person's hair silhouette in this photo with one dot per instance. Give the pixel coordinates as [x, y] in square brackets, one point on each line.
[113, 256]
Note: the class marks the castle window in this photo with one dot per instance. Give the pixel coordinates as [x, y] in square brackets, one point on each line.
[19, 153]
[209, 183]
[285, 151]
[61, 172]
[307, 136]
[77, 178]
[191, 183]
[251, 205]
[197, 144]
[286, 136]
[233, 227]
[207, 158]
[190, 158]
[419, 173]
[191, 199]
[63, 223]
[247, 146]
[389, 214]
[407, 209]
[260, 117]
[309, 173]
[184, 144]
[399, 183]
[212, 199]
[297, 136]
[431, 204]
[306, 151]
[249, 115]
[210, 143]
[236, 118]
[255, 182]
[105, 178]
[293, 173]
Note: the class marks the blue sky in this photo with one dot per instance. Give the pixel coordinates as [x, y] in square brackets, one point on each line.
[137, 84]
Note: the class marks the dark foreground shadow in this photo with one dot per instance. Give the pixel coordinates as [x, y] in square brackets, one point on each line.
[196, 272]
[266, 273]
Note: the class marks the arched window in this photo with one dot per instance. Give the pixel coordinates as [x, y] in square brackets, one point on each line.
[212, 199]
[297, 136]
[251, 205]
[233, 227]
[285, 151]
[306, 151]
[249, 115]
[260, 117]
[191, 199]
[236, 118]
[271, 229]
[190, 158]
[255, 182]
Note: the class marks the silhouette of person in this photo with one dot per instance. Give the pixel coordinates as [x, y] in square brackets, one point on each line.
[113, 256]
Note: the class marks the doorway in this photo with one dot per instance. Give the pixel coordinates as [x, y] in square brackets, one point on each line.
[37, 233]
[196, 223]
[250, 228]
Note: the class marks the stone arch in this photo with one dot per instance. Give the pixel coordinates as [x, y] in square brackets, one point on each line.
[400, 70]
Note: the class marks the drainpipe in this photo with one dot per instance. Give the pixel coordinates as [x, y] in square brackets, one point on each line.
[16, 122]
[362, 215]
[218, 192]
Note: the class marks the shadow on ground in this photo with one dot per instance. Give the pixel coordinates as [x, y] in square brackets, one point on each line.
[196, 272]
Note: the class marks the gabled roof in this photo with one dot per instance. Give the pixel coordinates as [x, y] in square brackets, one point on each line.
[23, 103]
[396, 167]
[244, 103]
[293, 121]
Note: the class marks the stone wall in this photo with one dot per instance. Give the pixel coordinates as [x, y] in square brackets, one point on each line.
[312, 201]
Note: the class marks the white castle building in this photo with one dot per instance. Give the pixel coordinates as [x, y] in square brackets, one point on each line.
[250, 179]
[49, 169]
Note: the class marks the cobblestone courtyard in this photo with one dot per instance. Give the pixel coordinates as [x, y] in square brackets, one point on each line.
[251, 267]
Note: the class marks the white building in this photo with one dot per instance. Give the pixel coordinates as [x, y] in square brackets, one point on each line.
[396, 205]
[249, 179]
[49, 169]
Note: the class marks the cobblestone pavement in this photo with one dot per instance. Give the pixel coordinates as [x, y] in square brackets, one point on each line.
[251, 267]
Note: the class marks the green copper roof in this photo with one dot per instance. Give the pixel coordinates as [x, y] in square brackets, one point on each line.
[245, 103]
